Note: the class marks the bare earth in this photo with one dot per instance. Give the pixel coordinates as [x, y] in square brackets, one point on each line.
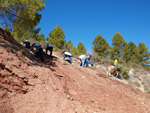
[28, 86]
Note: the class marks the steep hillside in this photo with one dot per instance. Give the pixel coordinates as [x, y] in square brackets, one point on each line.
[28, 86]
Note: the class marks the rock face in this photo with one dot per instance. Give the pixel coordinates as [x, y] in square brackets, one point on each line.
[28, 86]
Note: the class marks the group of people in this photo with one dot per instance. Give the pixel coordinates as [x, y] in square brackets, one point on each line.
[37, 50]
[85, 60]
[114, 73]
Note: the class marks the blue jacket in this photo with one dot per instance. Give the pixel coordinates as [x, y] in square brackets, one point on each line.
[37, 46]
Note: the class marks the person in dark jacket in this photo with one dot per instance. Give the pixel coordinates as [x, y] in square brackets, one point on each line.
[27, 44]
[49, 48]
[90, 63]
[39, 51]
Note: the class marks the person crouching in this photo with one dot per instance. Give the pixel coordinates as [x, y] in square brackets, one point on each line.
[67, 54]
[83, 59]
[39, 51]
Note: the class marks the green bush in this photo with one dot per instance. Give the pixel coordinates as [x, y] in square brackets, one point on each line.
[123, 72]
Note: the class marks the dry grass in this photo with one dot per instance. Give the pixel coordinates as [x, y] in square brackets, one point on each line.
[137, 84]
[146, 83]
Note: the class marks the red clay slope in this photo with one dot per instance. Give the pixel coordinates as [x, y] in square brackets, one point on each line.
[30, 87]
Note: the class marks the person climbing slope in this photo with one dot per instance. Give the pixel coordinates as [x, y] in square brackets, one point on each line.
[27, 44]
[49, 48]
[39, 51]
[83, 59]
[90, 63]
[115, 73]
[67, 54]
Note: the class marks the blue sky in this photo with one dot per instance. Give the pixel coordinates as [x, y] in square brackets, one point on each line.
[83, 20]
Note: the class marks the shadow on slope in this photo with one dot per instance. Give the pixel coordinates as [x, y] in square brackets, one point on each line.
[12, 46]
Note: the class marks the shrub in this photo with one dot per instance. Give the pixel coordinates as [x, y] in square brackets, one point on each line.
[104, 61]
[125, 75]
[95, 58]
[123, 71]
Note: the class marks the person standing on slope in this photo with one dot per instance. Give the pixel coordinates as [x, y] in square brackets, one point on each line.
[50, 48]
[131, 73]
[115, 62]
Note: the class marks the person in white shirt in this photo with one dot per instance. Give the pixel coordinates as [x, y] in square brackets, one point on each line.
[131, 73]
[83, 59]
[67, 54]
[50, 48]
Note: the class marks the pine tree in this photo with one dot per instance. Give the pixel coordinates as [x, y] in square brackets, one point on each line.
[68, 45]
[100, 46]
[74, 51]
[144, 54]
[129, 52]
[118, 45]
[56, 38]
[20, 15]
[41, 39]
[135, 56]
[81, 48]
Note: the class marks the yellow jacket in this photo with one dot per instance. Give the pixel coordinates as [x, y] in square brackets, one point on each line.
[115, 62]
